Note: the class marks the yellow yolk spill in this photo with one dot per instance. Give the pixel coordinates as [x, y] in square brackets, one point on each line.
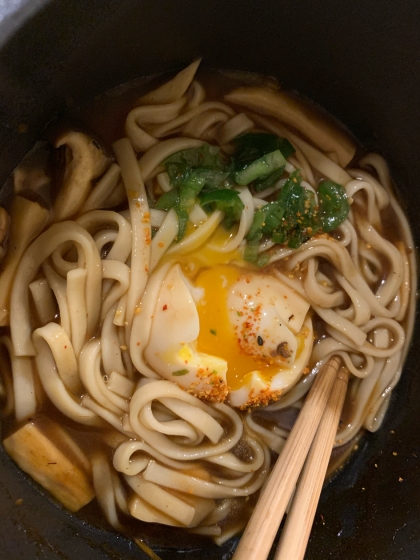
[217, 335]
[213, 272]
[205, 256]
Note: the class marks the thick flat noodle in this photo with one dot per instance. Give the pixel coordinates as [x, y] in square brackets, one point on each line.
[174, 89]
[28, 220]
[141, 116]
[34, 257]
[56, 365]
[150, 161]
[140, 223]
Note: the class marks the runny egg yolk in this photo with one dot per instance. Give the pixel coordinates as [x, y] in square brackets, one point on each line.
[217, 334]
[206, 255]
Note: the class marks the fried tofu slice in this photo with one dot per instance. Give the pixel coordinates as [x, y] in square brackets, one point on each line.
[45, 451]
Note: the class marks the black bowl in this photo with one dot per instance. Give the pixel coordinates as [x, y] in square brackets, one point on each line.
[360, 60]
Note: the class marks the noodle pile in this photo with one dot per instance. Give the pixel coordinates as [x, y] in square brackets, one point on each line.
[82, 295]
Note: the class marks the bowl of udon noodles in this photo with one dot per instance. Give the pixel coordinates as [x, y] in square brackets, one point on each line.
[201, 205]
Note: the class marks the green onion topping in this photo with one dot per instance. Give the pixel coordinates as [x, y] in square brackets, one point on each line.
[207, 176]
[180, 372]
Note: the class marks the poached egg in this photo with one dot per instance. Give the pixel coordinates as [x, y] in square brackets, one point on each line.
[221, 329]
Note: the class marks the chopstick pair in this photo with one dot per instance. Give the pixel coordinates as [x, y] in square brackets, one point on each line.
[313, 433]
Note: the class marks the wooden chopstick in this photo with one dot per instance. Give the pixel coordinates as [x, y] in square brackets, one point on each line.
[262, 527]
[145, 548]
[295, 535]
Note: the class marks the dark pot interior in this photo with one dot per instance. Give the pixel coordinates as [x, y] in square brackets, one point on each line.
[361, 61]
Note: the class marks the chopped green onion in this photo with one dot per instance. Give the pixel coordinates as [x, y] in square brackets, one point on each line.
[255, 231]
[227, 201]
[263, 184]
[178, 173]
[197, 180]
[180, 372]
[182, 222]
[201, 175]
[260, 168]
[279, 237]
[213, 331]
[251, 252]
[253, 145]
[333, 204]
[262, 259]
[168, 200]
[203, 156]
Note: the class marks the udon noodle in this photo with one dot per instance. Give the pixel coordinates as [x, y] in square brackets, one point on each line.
[158, 339]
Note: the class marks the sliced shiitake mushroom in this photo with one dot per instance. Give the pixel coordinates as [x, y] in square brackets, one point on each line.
[85, 161]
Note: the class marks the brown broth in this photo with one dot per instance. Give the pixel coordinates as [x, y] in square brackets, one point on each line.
[103, 118]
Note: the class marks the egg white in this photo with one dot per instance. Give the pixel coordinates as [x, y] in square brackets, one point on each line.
[263, 312]
[171, 351]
